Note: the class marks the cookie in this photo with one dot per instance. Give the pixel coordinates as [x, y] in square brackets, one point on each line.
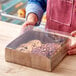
[42, 50]
[52, 48]
[24, 48]
[35, 43]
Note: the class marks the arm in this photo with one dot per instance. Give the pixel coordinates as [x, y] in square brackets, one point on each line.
[35, 10]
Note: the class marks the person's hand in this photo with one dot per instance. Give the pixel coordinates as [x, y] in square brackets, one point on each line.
[31, 20]
[72, 48]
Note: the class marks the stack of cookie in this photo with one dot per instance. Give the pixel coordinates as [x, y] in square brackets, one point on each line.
[36, 47]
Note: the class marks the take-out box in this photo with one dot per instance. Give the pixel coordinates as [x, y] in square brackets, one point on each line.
[34, 60]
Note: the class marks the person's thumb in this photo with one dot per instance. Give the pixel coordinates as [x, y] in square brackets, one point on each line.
[72, 52]
[73, 33]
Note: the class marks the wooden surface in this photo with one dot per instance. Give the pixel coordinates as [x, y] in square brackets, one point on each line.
[8, 32]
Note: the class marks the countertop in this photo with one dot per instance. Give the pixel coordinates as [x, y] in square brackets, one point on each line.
[9, 32]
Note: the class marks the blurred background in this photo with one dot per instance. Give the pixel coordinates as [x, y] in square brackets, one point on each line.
[9, 11]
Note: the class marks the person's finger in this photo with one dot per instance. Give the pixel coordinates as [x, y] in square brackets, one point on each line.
[72, 47]
[28, 23]
[25, 24]
[73, 33]
[72, 52]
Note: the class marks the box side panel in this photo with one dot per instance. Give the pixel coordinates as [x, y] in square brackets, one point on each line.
[18, 57]
[40, 62]
[27, 59]
[58, 57]
[8, 55]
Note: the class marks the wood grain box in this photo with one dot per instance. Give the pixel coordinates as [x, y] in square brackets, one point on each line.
[33, 60]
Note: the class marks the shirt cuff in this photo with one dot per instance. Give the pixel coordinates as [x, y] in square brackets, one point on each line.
[35, 8]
